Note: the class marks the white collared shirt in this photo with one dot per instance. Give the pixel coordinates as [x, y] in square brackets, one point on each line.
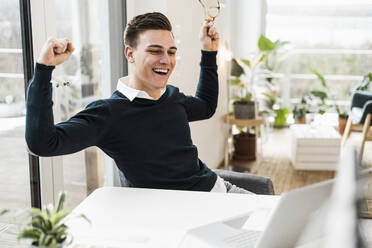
[132, 93]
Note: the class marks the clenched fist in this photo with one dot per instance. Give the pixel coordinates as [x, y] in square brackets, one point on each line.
[209, 37]
[55, 52]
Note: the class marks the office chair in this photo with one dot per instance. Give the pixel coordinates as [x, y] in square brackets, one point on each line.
[360, 116]
[253, 183]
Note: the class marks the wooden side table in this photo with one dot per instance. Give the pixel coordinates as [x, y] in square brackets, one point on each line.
[257, 122]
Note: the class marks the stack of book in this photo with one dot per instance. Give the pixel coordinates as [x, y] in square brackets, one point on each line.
[315, 147]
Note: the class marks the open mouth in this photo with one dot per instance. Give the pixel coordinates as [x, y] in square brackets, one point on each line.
[160, 71]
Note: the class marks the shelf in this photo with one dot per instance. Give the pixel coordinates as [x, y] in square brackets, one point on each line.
[230, 119]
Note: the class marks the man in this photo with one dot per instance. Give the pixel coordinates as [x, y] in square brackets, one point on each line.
[143, 126]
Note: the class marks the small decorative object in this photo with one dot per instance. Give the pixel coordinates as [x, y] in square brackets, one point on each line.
[211, 12]
[342, 119]
[46, 228]
[299, 112]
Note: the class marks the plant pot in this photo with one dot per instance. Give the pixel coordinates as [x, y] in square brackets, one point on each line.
[59, 246]
[300, 120]
[244, 147]
[244, 110]
[281, 114]
[342, 123]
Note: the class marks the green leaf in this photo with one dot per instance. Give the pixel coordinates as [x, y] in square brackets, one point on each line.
[262, 58]
[320, 77]
[235, 81]
[369, 76]
[245, 62]
[61, 201]
[62, 238]
[269, 96]
[279, 44]
[84, 217]
[265, 44]
[39, 222]
[4, 211]
[59, 216]
[240, 129]
[49, 210]
[52, 244]
[320, 94]
[32, 234]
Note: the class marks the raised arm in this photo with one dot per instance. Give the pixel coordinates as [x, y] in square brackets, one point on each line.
[42, 136]
[204, 104]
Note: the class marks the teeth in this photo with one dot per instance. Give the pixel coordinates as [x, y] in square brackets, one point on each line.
[161, 70]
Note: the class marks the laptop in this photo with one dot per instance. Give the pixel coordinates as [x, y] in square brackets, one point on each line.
[283, 228]
[291, 215]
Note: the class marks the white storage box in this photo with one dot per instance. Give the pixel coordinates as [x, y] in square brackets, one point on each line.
[315, 148]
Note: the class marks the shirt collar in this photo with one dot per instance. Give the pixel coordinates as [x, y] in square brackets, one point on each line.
[132, 93]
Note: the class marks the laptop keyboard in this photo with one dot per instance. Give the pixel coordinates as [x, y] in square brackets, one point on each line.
[245, 239]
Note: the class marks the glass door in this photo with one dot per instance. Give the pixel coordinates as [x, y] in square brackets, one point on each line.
[14, 163]
[86, 76]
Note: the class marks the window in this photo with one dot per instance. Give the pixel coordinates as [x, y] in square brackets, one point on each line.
[14, 174]
[332, 37]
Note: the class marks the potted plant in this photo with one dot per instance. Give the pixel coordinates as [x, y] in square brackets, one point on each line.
[243, 105]
[46, 228]
[299, 113]
[320, 95]
[300, 110]
[244, 108]
[342, 119]
[244, 144]
[275, 54]
[281, 114]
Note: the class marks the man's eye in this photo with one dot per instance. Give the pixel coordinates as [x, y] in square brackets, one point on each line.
[172, 53]
[156, 51]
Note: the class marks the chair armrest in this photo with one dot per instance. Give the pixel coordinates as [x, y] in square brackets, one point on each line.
[367, 109]
[359, 98]
[254, 183]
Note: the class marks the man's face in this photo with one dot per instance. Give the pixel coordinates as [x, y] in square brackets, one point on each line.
[153, 59]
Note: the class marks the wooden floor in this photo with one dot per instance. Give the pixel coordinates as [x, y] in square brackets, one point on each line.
[276, 165]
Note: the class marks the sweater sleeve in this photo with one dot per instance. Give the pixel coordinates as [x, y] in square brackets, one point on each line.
[46, 139]
[203, 105]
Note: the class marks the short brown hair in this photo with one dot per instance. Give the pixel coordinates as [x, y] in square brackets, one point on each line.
[141, 23]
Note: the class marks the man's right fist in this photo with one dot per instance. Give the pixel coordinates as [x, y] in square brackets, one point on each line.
[55, 51]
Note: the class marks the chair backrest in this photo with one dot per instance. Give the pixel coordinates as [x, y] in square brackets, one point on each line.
[254, 183]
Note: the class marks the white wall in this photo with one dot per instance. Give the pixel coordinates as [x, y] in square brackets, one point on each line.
[187, 17]
[247, 23]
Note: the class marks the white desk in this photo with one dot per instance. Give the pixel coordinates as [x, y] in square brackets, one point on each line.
[132, 217]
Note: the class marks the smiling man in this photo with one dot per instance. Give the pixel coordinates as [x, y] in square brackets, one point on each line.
[144, 125]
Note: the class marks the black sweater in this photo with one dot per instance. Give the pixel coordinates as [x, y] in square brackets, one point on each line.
[149, 140]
